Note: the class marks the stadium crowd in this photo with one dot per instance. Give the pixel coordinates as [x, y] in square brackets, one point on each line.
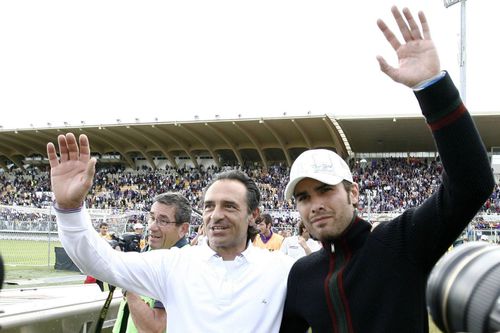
[386, 185]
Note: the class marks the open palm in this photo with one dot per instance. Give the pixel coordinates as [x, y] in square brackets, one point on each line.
[417, 57]
[72, 174]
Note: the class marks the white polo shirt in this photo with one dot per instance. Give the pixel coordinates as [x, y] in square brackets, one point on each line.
[200, 291]
[291, 247]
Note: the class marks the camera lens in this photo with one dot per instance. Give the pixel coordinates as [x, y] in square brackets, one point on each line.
[1, 272]
[464, 287]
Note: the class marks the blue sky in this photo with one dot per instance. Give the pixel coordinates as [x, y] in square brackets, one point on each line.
[99, 61]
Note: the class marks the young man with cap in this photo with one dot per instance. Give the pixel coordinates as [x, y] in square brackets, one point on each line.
[139, 230]
[168, 225]
[374, 281]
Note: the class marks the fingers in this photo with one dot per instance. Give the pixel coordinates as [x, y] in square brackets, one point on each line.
[84, 148]
[414, 29]
[403, 27]
[384, 66]
[63, 148]
[425, 25]
[407, 26]
[69, 149]
[90, 171]
[73, 151]
[52, 155]
[391, 38]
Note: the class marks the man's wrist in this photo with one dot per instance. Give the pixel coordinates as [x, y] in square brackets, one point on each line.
[426, 83]
[67, 208]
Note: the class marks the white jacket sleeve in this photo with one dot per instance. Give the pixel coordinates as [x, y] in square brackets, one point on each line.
[142, 273]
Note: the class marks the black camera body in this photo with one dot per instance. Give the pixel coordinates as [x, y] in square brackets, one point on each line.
[463, 289]
[2, 273]
[130, 242]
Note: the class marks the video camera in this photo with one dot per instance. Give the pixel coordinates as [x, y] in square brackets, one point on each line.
[463, 289]
[129, 242]
[1, 272]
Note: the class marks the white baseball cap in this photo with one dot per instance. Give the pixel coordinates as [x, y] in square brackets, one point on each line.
[138, 226]
[321, 164]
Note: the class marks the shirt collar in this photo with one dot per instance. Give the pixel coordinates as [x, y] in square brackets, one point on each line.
[248, 254]
[181, 242]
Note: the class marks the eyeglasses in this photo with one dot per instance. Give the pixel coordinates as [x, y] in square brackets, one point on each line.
[160, 222]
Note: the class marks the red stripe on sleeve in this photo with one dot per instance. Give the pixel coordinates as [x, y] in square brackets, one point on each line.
[448, 119]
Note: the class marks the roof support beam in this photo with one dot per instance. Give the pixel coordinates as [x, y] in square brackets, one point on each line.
[139, 131]
[97, 135]
[17, 160]
[203, 142]
[339, 144]
[182, 145]
[133, 144]
[227, 141]
[255, 143]
[278, 138]
[302, 132]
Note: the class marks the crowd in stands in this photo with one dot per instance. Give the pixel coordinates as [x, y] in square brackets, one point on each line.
[386, 185]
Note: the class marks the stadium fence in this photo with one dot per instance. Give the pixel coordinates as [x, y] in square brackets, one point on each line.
[28, 235]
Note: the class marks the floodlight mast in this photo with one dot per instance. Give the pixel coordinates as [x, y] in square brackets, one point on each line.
[463, 72]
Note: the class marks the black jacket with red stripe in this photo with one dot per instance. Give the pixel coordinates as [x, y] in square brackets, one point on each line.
[374, 281]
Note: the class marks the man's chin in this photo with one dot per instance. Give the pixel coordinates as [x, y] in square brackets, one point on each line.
[155, 244]
[323, 235]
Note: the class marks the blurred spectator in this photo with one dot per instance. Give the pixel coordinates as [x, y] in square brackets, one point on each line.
[267, 239]
[301, 245]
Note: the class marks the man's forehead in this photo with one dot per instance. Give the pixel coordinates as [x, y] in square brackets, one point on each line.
[162, 209]
[308, 183]
[226, 190]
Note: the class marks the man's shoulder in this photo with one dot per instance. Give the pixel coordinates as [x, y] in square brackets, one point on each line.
[311, 261]
[278, 237]
[271, 257]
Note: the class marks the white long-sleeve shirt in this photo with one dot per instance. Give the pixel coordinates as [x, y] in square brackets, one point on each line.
[292, 247]
[200, 291]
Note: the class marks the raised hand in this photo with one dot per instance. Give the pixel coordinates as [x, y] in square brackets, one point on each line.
[418, 58]
[71, 176]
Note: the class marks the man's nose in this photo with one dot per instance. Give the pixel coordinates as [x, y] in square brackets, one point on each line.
[217, 213]
[317, 204]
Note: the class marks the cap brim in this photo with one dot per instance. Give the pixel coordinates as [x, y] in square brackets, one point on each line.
[327, 179]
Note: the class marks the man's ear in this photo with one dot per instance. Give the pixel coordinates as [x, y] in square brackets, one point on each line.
[354, 194]
[184, 229]
[253, 216]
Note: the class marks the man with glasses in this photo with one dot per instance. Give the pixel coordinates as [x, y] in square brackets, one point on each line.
[228, 285]
[208, 288]
[168, 225]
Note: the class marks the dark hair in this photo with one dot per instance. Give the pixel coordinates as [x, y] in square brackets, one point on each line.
[301, 227]
[348, 188]
[182, 207]
[103, 224]
[253, 194]
[266, 218]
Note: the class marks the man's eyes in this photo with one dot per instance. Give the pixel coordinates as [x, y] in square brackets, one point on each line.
[325, 189]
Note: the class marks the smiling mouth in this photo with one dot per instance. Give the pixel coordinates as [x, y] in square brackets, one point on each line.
[217, 228]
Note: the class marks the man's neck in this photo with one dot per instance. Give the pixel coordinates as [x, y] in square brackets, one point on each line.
[228, 253]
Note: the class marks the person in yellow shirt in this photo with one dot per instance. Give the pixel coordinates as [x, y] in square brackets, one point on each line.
[104, 231]
[267, 239]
